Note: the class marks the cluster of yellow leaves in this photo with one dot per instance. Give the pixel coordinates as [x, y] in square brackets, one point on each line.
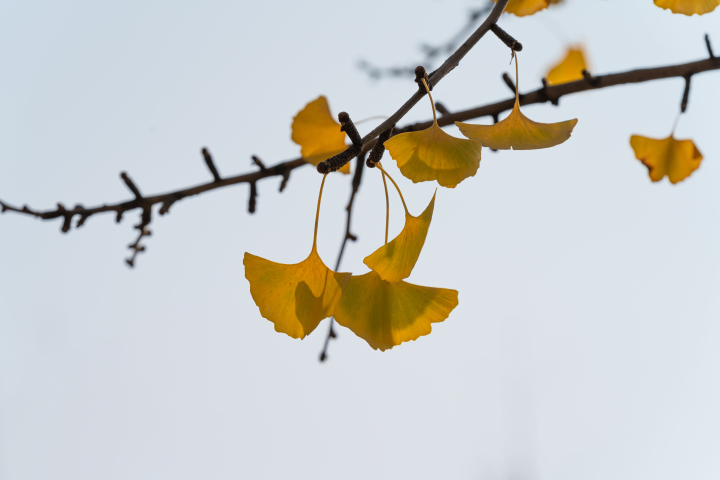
[688, 7]
[379, 306]
[432, 154]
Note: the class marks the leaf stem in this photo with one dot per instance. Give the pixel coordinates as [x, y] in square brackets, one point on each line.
[517, 80]
[317, 214]
[432, 102]
[396, 187]
[675, 124]
[387, 205]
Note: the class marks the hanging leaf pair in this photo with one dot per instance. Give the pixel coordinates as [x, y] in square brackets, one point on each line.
[379, 306]
[432, 154]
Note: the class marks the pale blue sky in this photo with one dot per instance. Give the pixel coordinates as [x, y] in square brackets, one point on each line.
[586, 340]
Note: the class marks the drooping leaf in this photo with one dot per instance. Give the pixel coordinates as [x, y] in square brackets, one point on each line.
[294, 297]
[522, 8]
[675, 158]
[688, 7]
[569, 69]
[317, 133]
[387, 314]
[519, 132]
[432, 154]
[394, 261]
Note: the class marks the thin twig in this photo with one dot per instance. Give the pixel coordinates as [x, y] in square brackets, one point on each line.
[431, 52]
[357, 178]
[709, 46]
[210, 164]
[686, 94]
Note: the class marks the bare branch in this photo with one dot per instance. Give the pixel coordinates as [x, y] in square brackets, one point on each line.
[128, 181]
[210, 164]
[506, 38]
[686, 94]
[709, 46]
[509, 82]
[145, 219]
[440, 107]
[432, 52]
[256, 160]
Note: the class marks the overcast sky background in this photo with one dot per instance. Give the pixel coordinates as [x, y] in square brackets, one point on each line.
[586, 340]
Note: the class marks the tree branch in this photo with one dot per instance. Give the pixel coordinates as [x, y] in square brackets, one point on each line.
[283, 169]
[555, 92]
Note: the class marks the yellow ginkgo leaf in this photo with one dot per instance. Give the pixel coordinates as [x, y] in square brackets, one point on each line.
[432, 154]
[523, 8]
[688, 7]
[394, 261]
[295, 297]
[517, 131]
[569, 69]
[318, 134]
[675, 158]
[386, 314]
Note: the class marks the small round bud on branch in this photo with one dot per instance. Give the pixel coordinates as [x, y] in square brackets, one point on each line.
[348, 127]
[506, 38]
[420, 74]
[339, 160]
[686, 94]
[379, 149]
